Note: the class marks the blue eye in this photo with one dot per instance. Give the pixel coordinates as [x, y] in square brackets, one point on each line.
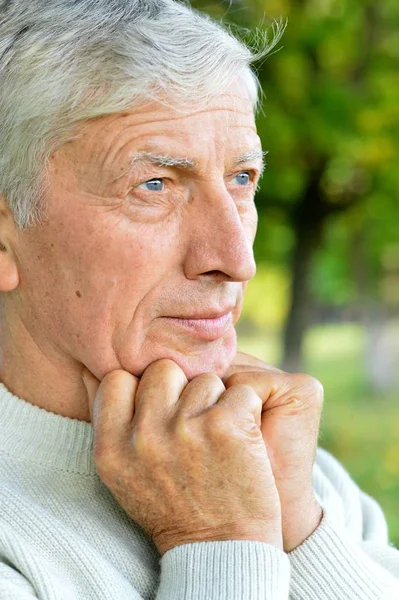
[153, 185]
[242, 178]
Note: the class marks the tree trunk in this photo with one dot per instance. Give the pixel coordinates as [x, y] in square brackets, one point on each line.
[308, 221]
[307, 240]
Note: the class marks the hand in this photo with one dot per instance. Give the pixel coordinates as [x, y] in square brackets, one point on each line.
[186, 461]
[292, 407]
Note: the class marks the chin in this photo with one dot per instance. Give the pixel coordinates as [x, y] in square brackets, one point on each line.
[193, 366]
[214, 357]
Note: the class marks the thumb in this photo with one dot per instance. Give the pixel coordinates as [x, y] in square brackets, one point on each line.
[244, 363]
[91, 384]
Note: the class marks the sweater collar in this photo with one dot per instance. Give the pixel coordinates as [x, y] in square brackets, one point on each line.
[33, 434]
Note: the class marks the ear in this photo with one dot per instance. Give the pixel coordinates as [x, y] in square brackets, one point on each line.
[9, 275]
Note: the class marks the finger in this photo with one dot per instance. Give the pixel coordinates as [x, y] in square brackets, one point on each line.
[285, 397]
[159, 390]
[91, 384]
[276, 389]
[202, 392]
[242, 398]
[113, 405]
[291, 429]
[264, 383]
[246, 362]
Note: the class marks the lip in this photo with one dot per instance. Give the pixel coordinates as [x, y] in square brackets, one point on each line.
[205, 328]
[210, 314]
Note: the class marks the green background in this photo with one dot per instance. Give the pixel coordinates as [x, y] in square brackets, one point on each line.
[326, 296]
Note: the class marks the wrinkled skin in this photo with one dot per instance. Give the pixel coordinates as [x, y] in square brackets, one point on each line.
[94, 282]
[191, 465]
[231, 459]
[92, 287]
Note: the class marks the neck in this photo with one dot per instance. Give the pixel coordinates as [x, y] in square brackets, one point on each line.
[40, 374]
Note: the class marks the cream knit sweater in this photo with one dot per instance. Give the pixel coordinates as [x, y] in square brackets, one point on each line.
[64, 537]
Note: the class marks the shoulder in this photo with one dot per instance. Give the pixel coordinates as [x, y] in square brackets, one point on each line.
[345, 503]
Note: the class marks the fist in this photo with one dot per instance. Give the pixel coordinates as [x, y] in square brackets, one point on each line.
[186, 460]
[290, 422]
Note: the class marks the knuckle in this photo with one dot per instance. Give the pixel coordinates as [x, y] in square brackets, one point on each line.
[114, 377]
[165, 367]
[241, 389]
[235, 378]
[247, 403]
[312, 387]
[209, 380]
[313, 384]
[206, 377]
[164, 364]
[243, 394]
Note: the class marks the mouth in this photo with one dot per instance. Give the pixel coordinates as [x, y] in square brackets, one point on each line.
[206, 328]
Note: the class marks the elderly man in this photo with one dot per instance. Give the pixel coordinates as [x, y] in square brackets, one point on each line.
[129, 161]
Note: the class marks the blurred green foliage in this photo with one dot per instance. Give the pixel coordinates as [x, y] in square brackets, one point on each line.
[331, 101]
[358, 427]
[330, 121]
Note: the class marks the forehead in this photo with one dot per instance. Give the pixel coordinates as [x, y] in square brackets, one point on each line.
[225, 124]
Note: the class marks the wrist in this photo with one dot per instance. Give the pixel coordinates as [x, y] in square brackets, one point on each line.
[268, 532]
[299, 522]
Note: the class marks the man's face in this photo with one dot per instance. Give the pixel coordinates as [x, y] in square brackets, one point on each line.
[151, 221]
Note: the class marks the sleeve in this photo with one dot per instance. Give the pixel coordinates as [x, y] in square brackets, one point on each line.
[348, 556]
[14, 586]
[237, 570]
[330, 566]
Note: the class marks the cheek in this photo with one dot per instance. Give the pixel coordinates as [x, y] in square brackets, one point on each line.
[95, 268]
[111, 247]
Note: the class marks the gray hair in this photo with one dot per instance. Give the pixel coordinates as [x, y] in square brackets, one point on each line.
[65, 61]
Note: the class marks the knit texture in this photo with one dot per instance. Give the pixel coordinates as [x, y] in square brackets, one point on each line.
[64, 537]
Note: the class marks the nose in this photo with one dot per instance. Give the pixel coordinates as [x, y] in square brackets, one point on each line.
[220, 244]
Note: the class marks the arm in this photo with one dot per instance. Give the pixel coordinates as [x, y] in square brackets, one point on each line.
[328, 531]
[192, 469]
[329, 565]
[348, 556]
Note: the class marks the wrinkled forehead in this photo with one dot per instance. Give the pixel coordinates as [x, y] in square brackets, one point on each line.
[233, 105]
[225, 124]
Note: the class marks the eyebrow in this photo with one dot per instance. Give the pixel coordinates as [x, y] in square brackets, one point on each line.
[165, 160]
[255, 154]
